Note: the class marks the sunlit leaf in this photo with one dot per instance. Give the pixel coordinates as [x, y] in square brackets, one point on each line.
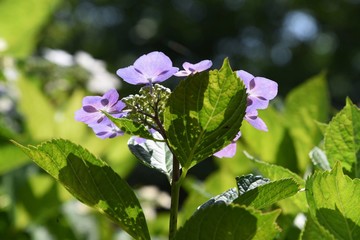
[18, 29]
[333, 200]
[204, 113]
[342, 139]
[305, 105]
[91, 181]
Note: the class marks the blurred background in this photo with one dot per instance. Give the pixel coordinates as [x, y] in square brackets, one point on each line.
[53, 53]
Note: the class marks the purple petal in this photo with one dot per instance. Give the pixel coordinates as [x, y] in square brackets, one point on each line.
[245, 77]
[197, 67]
[149, 68]
[228, 151]
[92, 101]
[106, 129]
[130, 75]
[112, 96]
[256, 121]
[85, 117]
[155, 66]
[182, 73]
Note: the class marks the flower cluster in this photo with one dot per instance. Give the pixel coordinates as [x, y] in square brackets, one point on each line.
[156, 67]
[92, 113]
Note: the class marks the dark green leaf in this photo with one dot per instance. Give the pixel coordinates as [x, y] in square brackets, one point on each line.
[229, 222]
[91, 181]
[204, 113]
[314, 231]
[226, 197]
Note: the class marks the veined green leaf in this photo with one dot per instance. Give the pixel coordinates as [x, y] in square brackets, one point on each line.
[91, 181]
[333, 199]
[314, 231]
[229, 222]
[154, 154]
[290, 205]
[268, 194]
[204, 113]
[342, 139]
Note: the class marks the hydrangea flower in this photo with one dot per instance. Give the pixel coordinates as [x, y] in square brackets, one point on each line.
[150, 68]
[230, 150]
[260, 90]
[91, 111]
[106, 129]
[190, 69]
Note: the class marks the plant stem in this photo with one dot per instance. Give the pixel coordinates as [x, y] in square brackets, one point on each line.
[175, 192]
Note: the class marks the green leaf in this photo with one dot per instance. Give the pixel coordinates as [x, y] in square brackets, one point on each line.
[319, 159]
[268, 194]
[342, 139]
[229, 222]
[334, 202]
[91, 181]
[294, 204]
[130, 127]
[204, 113]
[153, 154]
[314, 231]
[305, 105]
[18, 29]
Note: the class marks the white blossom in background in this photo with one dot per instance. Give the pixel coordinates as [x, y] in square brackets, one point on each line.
[151, 197]
[58, 57]
[9, 68]
[300, 221]
[100, 79]
[3, 45]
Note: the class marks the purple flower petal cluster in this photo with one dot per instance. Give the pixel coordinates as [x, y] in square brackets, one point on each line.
[190, 69]
[149, 68]
[260, 91]
[92, 114]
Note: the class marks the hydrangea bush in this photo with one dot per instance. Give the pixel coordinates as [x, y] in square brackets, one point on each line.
[174, 130]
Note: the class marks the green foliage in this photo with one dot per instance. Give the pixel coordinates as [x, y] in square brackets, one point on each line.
[225, 222]
[305, 105]
[268, 194]
[154, 154]
[342, 139]
[92, 181]
[332, 198]
[18, 29]
[130, 127]
[204, 113]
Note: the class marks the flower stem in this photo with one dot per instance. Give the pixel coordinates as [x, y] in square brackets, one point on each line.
[176, 182]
